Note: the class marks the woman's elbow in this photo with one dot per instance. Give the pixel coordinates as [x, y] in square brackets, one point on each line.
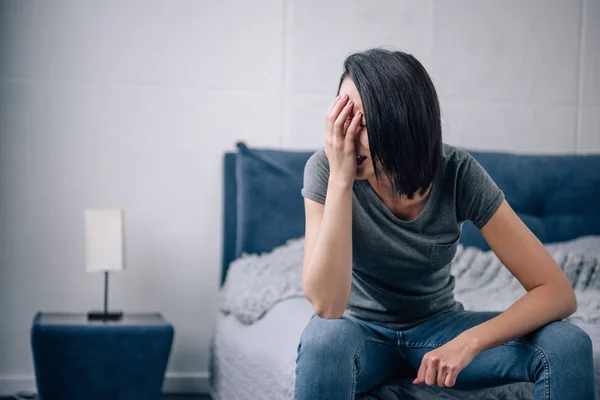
[324, 308]
[571, 302]
[326, 312]
[565, 299]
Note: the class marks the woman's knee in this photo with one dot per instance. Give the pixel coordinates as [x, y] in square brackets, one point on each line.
[329, 339]
[326, 359]
[564, 340]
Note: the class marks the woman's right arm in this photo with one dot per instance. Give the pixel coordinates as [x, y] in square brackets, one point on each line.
[327, 269]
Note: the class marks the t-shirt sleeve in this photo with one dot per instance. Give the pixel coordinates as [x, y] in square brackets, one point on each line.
[478, 195]
[316, 177]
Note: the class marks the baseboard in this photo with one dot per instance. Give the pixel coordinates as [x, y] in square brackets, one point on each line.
[183, 382]
[11, 384]
[175, 382]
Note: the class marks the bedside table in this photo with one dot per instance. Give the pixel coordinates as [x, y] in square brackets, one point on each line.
[100, 360]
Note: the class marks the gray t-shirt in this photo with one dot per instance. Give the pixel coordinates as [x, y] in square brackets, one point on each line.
[401, 269]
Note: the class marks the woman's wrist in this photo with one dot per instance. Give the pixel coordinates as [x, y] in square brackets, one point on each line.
[340, 183]
[475, 341]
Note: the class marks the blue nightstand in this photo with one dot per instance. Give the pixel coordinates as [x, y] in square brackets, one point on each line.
[77, 359]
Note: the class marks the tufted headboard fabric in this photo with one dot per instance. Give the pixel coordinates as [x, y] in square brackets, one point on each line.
[557, 196]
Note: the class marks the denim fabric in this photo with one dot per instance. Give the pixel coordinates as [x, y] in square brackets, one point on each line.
[341, 358]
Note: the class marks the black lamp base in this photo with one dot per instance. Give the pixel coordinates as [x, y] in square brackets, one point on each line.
[105, 316]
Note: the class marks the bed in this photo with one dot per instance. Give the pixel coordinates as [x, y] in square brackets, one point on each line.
[556, 196]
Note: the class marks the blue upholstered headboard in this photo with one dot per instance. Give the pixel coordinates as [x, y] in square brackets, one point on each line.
[558, 197]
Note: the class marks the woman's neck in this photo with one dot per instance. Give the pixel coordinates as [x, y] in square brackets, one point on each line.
[400, 205]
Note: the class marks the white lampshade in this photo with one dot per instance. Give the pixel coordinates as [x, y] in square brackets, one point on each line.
[104, 240]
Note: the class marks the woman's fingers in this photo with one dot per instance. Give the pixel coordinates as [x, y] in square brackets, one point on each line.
[353, 128]
[334, 112]
[431, 374]
[451, 377]
[338, 126]
[441, 376]
[421, 373]
[333, 103]
[347, 124]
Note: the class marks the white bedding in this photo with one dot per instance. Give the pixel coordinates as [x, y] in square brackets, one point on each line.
[258, 361]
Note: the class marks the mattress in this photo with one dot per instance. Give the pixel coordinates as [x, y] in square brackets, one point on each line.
[252, 362]
[258, 361]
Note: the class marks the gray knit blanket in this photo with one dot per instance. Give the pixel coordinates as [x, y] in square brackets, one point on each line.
[255, 283]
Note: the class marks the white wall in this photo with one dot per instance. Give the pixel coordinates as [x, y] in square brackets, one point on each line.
[132, 103]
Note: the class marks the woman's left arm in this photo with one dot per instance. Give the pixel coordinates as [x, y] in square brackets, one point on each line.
[549, 297]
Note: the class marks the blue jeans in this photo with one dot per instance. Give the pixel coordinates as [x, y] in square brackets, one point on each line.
[341, 358]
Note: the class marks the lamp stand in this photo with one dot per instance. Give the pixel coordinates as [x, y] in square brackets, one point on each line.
[105, 315]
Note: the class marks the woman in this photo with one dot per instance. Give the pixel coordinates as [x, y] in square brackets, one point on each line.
[384, 207]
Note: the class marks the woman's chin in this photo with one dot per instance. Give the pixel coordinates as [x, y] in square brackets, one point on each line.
[363, 174]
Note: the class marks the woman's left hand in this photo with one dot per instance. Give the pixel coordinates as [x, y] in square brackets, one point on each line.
[442, 365]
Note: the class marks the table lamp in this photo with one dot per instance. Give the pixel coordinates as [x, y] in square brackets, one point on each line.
[104, 252]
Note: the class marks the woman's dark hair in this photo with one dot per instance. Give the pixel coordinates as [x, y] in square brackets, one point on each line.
[402, 115]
